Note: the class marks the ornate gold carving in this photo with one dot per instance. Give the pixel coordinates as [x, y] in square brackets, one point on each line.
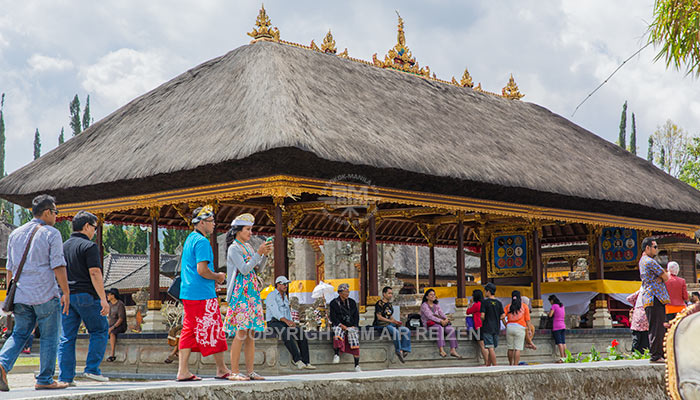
[670, 351]
[372, 300]
[263, 30]
[344, 54]
[328, 45]
[525, 270]
[154, 304]
[154, 212]
[313, 46]
[400, 57]
[461, 302]
[466, 80]
[510, 91]
[478, 88]
[536, 303]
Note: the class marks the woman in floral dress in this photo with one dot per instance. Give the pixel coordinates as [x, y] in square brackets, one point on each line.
[245, 312]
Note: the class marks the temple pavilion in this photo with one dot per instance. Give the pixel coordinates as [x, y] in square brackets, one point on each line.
[317, 144]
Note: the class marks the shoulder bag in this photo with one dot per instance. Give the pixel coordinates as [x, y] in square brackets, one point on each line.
[9, 305]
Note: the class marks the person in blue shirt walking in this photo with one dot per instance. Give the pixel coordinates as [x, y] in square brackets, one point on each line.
[279, 319]
[201, 325]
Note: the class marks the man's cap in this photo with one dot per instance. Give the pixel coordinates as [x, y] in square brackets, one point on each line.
[281, 279]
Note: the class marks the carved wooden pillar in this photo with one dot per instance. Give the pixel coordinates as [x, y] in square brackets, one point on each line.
[484, 265]
[154, 281]
[536, 268]
[280, 242]
[363, 272]
[431, 269]
[460, 261]
[215, 246]
[372, 271]
[99, 237]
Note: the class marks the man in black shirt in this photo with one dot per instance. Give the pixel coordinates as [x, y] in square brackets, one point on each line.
[384, 319]
[491, 316]
[88, 301]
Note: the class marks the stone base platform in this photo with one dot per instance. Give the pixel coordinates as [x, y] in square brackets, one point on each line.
[601, 380]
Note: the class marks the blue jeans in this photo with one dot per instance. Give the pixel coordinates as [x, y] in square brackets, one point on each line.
[401, 336]
[85, 308]
[48, 316]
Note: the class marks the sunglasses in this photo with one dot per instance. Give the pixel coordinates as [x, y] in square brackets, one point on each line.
[53, 210]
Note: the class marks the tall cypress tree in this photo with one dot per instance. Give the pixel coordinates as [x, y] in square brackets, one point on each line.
[86, 114]
[61, 139]
[74, 108]
[633, 137]
[650, 152]
[2, 136]
[662, 159]
[37, 144]
[623, 127]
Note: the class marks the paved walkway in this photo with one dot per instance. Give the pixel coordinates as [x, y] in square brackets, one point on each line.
[22, 384]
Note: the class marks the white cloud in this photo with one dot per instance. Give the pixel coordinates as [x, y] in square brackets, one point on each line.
[39, 63]
[123, 74]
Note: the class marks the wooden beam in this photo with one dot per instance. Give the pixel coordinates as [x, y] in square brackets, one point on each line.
[98, 238]
[460, 261]
[280, 244]
[372, 262]
[363, 273]
[154, 281]
[536, 266]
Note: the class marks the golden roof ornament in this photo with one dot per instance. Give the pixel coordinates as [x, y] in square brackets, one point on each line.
[263, 30]
[478, 88]
[466, 80]
[510, 91]
[400, 57]
[313, 46]
[328, 45]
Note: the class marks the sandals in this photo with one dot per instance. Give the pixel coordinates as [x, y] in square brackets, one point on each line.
[111, 358]
[254, 376]
[192, 378]
[224, 376]
[238, 377]
[443, 354]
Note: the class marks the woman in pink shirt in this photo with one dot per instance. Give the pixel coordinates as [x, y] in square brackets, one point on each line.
[435, 320]
[557, 313]
[677, 291]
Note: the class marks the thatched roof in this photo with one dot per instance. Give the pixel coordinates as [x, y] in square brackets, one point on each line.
[270, 108]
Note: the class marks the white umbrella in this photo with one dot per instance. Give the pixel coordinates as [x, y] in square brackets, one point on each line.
[324, 290]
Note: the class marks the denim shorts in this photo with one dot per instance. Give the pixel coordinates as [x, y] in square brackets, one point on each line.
[559, 336]
[490, 340]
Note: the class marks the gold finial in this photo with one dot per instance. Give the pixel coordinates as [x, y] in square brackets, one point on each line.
[313, 46]
[328, 45]
[263, 30]
[344, 54]
[478, 88]
[454, 81]
[466, 79]
[511, 90]
[401, 37]
[399, 57]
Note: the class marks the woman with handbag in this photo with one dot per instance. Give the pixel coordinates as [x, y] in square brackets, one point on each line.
[245, 311]
[435, 320]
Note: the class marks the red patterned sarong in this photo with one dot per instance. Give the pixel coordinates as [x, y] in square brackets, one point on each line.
[201, 327]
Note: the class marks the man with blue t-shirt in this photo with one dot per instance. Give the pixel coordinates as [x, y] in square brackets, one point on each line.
[201, 325]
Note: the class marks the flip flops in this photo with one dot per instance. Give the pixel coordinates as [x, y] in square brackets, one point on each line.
[224, 376]
[192, 378]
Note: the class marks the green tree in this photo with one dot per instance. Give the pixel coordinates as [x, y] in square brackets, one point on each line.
[138, 240]
[622, 139]
[2, 136]
[633, 137]
[115, 239]
[172, 238]
[86, 113]
[671, 148]
[61, 138]
[25, 215]
[690, 173]
[74, 108]
[65, 227]
[675, 28]
[37, 144]
[650, 151]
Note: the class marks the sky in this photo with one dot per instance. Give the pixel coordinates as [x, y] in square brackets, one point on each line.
[558, 52]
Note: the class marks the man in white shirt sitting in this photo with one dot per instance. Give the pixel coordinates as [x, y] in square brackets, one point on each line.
[279, 319]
